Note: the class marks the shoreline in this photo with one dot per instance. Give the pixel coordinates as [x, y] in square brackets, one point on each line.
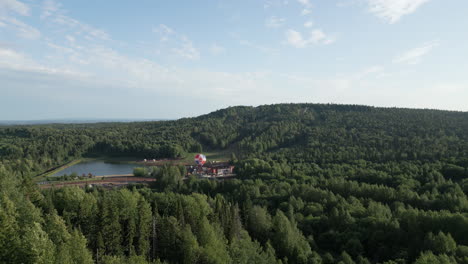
[52, 171]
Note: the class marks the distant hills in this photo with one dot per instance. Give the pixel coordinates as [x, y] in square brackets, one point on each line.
[74, 121]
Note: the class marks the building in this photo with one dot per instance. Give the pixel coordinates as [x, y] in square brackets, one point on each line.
[214, 169]
[219, 168]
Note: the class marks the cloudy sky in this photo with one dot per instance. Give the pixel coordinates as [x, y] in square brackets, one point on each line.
[171, 59]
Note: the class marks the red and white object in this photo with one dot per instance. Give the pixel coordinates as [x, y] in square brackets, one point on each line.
[200, 159]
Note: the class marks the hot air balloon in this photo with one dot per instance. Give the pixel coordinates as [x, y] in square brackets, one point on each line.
[200, 159]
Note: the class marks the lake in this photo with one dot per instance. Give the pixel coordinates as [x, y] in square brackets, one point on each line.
[98, 168]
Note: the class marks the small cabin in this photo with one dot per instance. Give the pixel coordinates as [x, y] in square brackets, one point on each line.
[220, 168]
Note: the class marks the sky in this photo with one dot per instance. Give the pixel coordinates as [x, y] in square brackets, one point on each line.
[154, 59]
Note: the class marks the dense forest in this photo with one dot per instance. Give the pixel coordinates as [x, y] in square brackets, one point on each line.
[316, 183]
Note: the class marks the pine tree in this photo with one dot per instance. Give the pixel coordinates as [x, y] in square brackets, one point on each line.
[110, 226]
[189, 248]
[288, 240]
[78, 251]
[9, 230]
[143, 227]
[235, 225]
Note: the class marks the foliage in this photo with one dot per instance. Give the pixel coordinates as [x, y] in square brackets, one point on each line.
[316, 184]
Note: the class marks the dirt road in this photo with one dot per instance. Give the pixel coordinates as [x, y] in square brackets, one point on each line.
[107, 181]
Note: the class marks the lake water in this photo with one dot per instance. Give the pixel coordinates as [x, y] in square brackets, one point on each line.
[98, 168]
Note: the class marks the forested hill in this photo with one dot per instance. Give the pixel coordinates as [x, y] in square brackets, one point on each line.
[315, 184]
[309, 132]
[339, 132]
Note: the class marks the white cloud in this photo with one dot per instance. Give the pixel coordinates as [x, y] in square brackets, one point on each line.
[307, 6]
[308, 24]
[305, 11]
[216, 49]
[79, 28]
[164, 32]
[178, 43]
[52, 12]
[70, 39]
[415, 55]
[275, 3]
[15, 6]
[49, 7]
[317, 36]
[73, 53]
[22, 29]
[6, 21]
[305, 3]
[109, 68]
[13, 60]
[10, 57]
[392, 10]
[295, 39]
[274, 22]
[166, 29]
[187, 50]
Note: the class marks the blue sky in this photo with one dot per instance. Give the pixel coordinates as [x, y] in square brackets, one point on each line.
[171, 59]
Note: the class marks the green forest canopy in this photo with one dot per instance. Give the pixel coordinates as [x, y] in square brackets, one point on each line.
[316, 184]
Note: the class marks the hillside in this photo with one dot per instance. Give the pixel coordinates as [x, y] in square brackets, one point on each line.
[316, 184]
[318, 133]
